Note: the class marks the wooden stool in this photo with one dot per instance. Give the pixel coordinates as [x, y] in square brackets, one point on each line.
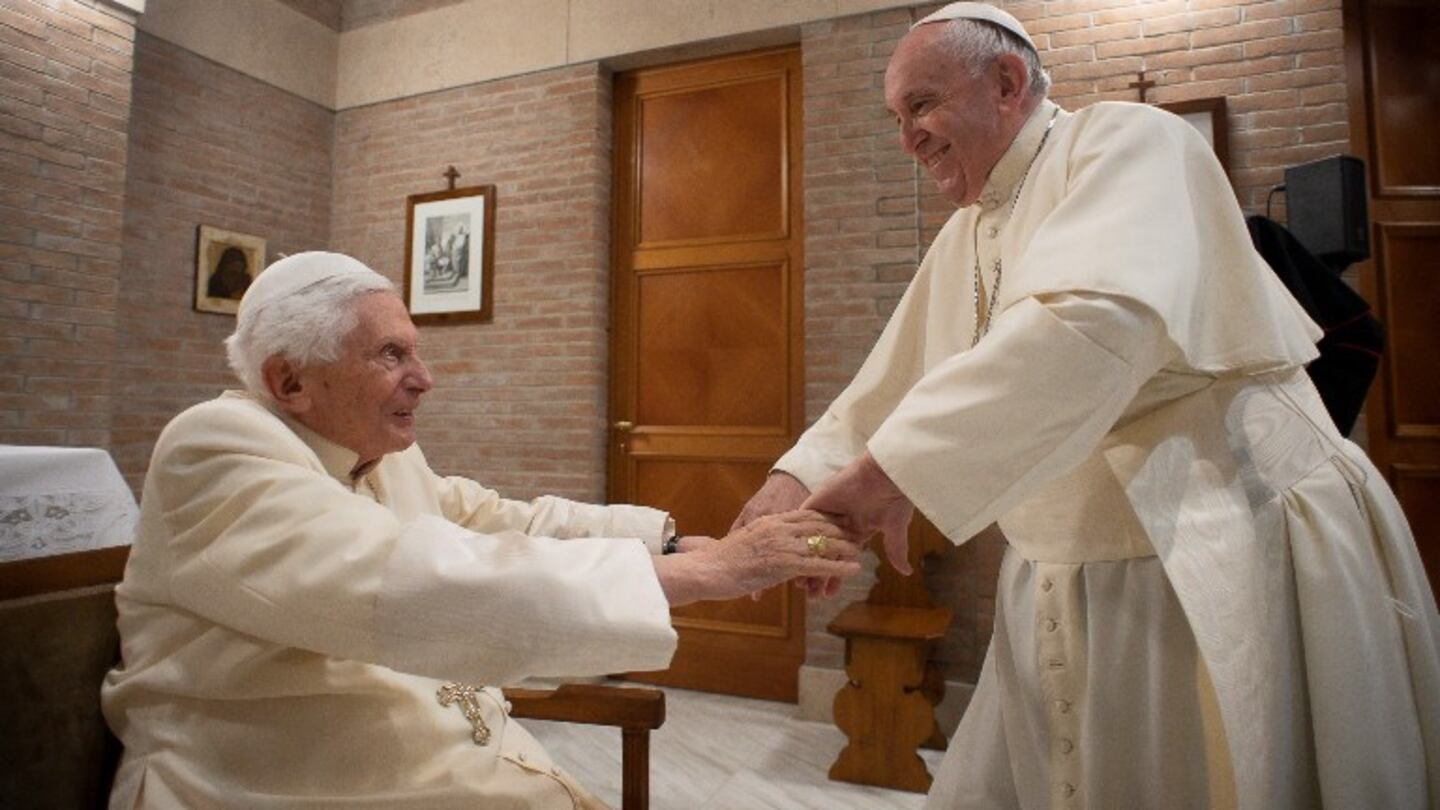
[887, 710]
[884, 710]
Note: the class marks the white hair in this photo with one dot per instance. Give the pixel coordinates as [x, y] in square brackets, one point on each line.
[977, 44]
[305, 327]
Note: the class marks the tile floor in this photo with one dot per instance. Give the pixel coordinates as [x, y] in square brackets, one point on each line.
[724, 753]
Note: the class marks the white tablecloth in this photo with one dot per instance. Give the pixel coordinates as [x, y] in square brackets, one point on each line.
[55, 500]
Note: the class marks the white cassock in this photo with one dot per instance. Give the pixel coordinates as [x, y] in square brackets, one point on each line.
[286, 629]
[1210, 598]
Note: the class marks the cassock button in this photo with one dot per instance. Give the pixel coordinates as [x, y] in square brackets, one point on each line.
[1066, 746]
[1068, 789]
[1062, 706]
[1047, 584]
[992, 232]
[1051, 625]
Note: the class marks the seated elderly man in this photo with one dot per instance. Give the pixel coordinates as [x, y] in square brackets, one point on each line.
[302, 583]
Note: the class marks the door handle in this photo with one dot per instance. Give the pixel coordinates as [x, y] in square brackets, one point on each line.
[624, 427]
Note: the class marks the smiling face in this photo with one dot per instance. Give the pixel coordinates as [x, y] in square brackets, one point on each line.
[366, 399]
[955, 124]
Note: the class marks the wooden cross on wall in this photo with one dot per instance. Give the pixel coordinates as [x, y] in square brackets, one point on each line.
[1142, 85]
[451, 174]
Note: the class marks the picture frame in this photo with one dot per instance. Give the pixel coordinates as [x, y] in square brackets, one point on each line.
[450, 255]
[1208, 115]
[225, 264]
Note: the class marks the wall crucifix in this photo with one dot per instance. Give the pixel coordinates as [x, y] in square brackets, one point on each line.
[1142, 85]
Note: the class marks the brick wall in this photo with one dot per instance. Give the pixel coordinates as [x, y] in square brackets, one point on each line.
[64, 105]
[870, 213]
[519, 402]
[208, 145]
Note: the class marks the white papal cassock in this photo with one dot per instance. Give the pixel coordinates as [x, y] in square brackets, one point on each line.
[1210, 598]
[286, 629]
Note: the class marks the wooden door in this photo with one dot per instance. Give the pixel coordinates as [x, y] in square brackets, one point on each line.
[706, 343]
[1393, 73]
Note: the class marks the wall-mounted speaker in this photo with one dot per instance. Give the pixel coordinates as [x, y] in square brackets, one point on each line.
[1327, 213]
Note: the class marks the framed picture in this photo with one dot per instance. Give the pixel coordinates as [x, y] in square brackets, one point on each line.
[1208, 116]
[225, 264]
[450, 255]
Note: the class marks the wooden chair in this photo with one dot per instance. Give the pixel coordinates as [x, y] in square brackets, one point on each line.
[887, 706]
[636, 711]
[58, 639]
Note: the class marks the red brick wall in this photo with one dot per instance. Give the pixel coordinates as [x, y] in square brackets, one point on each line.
[211, 146]
[64, 105]
[520, 402]
[870, 214]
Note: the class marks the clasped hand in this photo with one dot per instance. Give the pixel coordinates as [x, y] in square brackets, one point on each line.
[765, 552]
[860, 498]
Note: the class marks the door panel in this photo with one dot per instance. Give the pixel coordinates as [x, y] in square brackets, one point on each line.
[1393, 78]
[710, 159]
[706, 340]
[1407, 269]
[1406, 95]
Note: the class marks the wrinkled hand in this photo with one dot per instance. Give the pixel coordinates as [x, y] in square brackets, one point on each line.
[766, 552]
[781, 492]
[864, 500]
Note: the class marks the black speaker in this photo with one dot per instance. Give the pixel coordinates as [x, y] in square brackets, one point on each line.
[1326, 204]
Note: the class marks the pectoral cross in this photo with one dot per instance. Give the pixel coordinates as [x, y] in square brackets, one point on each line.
[451, 174]
[467, 699]
[1142, 85]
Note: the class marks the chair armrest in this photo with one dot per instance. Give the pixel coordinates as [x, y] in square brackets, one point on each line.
[627, 708]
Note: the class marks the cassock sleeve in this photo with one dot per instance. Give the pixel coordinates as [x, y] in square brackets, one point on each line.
[893, 365]
[984, 428]
[473, 506]
[260, 542]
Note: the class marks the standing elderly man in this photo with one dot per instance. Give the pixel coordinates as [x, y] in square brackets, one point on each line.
[301, 581]
[1209, 598]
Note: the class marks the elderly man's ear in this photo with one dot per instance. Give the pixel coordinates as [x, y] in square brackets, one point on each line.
[1013, 80]
[286, 387]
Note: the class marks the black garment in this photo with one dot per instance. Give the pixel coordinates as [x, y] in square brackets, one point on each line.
[1354, 339]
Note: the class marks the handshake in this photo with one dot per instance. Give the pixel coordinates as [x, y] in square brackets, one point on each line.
[786, 532]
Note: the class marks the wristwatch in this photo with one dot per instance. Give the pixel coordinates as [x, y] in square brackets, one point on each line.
[671, 545]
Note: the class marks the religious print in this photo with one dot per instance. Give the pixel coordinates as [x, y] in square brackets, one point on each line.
[225, 264]
[449, 255]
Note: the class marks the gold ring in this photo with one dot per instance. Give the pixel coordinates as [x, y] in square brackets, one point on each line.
[817, 543]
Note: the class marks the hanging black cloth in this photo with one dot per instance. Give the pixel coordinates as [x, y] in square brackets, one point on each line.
[1354, 339]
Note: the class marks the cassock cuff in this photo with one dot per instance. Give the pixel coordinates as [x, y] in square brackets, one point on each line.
[563, 518]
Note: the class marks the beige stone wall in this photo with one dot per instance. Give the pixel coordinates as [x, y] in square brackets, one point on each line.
[273, 41]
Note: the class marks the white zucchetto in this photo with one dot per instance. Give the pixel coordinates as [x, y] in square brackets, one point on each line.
[979, 11]
[287, 276]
